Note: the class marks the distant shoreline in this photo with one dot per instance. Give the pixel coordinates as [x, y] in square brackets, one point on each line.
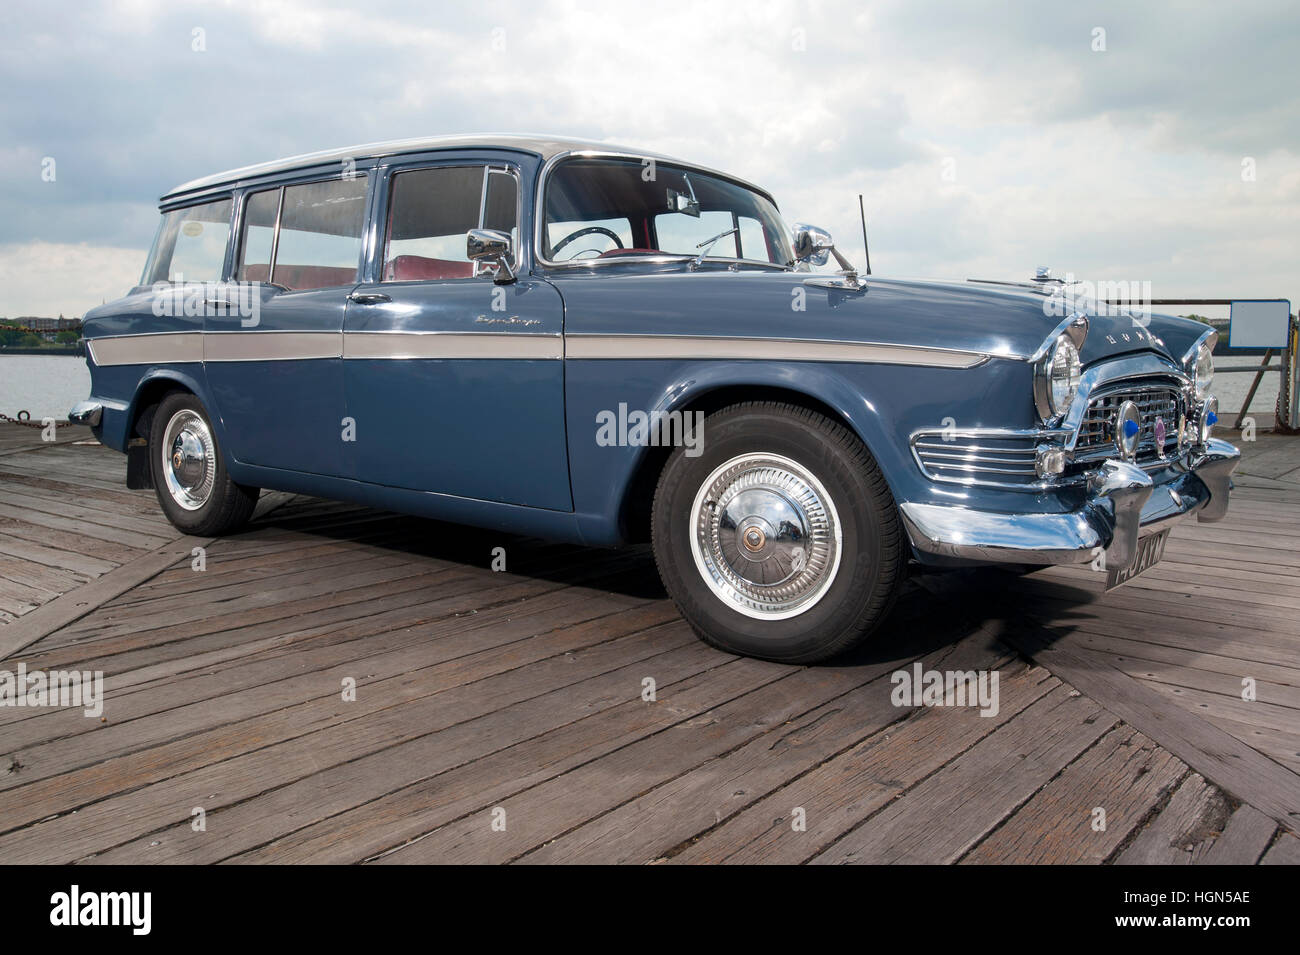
[72, 350]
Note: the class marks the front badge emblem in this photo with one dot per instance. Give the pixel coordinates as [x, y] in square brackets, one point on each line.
[1160, 437]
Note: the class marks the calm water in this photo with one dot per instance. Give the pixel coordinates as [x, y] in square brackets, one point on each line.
[48, 385]
[45, 385]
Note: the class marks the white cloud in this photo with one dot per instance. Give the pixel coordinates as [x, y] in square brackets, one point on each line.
[49, 278]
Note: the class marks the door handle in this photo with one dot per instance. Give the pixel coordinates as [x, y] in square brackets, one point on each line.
[369, 298]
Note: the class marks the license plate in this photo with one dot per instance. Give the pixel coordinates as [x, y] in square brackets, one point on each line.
[1149, 551]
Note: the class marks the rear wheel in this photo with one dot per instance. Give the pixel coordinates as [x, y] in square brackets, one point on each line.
[189, 475]
[781, 540]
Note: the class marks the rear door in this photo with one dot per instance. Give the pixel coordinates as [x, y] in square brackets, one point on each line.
[275, 363]
[456, 383]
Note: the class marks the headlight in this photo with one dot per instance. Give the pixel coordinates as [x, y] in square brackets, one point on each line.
[1203, 370]
[1057, 380]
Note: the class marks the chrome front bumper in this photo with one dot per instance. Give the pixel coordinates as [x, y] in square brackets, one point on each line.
[1123, 505]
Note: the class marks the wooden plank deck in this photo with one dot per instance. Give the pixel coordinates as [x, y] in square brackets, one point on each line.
[499, 716]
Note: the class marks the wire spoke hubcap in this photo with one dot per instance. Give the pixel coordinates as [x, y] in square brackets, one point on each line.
[188, 460]
[765, 536]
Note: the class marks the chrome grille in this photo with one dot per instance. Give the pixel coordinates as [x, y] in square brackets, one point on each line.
[1097, 430]
[976, 459]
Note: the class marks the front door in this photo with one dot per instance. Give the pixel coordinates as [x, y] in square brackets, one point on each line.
[456, 383]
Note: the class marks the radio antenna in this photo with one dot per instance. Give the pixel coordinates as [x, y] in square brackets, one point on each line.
[862, 210]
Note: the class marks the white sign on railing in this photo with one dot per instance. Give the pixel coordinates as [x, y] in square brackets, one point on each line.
[1259, 323]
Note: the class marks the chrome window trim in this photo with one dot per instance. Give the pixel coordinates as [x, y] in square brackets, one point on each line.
[275, 240]
[549, 166]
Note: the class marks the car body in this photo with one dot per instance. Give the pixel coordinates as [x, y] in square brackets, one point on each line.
[472, 385]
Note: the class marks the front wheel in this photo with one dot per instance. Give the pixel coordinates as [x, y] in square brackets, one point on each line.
[781, 540]
[189, 475]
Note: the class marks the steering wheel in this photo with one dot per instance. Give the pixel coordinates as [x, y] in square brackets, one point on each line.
[589, 230]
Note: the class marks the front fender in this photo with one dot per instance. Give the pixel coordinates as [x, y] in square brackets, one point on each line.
[881, 404]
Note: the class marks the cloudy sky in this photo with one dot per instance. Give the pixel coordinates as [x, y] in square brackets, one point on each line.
[1130, 141]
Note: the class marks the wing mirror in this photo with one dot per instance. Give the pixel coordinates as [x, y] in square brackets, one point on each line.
[491, 248]
[814, 246]
[811, 244]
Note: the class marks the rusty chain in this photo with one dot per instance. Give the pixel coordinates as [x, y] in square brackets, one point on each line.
[27, 421]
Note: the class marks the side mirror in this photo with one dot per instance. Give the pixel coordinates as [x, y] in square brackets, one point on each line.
[811, 244]
[492, 248]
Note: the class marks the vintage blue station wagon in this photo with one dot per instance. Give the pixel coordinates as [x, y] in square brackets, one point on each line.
[565, 339]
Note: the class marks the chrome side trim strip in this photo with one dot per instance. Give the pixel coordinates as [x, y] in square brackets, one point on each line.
[271, 346]
[149, 349]
[777, 349]
[174, 347]
[438, 345]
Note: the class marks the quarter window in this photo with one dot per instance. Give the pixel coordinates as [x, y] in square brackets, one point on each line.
[191, 244]
[430, 210]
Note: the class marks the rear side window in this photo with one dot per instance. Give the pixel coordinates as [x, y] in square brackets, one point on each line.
[306, 236]
[430, 211]
[261, 210]
[190, 245]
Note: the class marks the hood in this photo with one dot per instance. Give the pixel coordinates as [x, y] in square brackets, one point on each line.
[1001, 321]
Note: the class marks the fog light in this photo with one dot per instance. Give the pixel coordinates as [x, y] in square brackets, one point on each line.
[1049, 460]
[1209, 417]
[1128, 430]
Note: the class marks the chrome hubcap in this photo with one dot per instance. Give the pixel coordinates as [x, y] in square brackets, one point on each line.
[188, 460]
[765, 536]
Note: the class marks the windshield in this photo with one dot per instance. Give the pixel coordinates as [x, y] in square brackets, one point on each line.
[607, 208]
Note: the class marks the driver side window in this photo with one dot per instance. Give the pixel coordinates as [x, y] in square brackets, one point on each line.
[429, 212]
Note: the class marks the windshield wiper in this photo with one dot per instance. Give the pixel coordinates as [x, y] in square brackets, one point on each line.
[707, 246]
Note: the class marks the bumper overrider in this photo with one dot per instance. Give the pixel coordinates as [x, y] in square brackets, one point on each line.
[1123, 504]
[87, 413]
